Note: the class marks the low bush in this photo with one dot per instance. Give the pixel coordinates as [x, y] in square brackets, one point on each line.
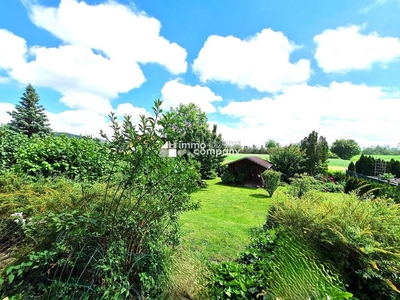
[303, 183]
[338, 176]
[239, 177]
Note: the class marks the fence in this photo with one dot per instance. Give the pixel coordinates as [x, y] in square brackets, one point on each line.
[371, 178]
[11, 235]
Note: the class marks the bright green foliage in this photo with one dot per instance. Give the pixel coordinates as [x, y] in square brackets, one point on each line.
[112, 242]
[316, 152]
[275, 265]
[29, 117]
[270, 145]
[10, 142]
[190, 133]
[82, 158]
[357, 239]
[301, 184]
[288, 160]
[271, 180]
[345, 149]
[297, 273]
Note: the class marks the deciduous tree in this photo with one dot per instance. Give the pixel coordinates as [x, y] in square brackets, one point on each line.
[190, 132]
[345, 149]
[288, 160]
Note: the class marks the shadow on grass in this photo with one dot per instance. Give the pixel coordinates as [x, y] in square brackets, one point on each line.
[237, 186]
[261, 196]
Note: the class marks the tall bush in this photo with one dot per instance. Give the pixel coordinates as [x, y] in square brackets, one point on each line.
[271, 180]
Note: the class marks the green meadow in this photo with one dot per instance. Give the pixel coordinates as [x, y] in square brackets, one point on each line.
[220, 229]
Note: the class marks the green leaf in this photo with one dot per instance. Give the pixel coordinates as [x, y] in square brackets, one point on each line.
[11, 278]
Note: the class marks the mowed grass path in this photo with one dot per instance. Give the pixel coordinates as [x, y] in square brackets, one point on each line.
[220, 229]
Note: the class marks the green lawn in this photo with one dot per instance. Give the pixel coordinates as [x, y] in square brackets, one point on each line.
[337, 164]
[219, 230]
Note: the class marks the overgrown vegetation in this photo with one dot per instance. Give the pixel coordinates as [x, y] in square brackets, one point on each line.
[112, 240]
[100, 219]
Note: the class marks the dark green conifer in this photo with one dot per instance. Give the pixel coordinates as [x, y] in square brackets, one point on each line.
[29, 117]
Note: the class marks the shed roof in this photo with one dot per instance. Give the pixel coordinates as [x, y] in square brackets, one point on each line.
[255, 159]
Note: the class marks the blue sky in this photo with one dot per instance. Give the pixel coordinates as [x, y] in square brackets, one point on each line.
[259, 69]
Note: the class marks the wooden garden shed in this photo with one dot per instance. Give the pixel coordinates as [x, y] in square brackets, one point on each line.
[252, 165]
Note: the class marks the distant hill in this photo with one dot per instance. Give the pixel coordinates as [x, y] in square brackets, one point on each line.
[68, 134]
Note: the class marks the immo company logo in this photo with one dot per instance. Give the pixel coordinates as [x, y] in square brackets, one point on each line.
[194, 148]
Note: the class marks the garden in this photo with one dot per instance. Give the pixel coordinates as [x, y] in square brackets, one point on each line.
[111, 218]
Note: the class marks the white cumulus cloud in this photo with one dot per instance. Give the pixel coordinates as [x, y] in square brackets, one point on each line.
[345, 48]
[112, 28]
[261, 61]
[4, 116]
[175, 92]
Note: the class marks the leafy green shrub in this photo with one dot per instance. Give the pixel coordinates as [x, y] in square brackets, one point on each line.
[338, 176]
[357, 239]
[82, 158]
[237, 177]
[300, 184]
[228, 177]
[114, 242]
[241, 176]
[10, 142]
[271, 181]
[246, 277]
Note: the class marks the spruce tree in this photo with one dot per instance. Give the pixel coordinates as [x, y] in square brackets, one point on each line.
[29, 117]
